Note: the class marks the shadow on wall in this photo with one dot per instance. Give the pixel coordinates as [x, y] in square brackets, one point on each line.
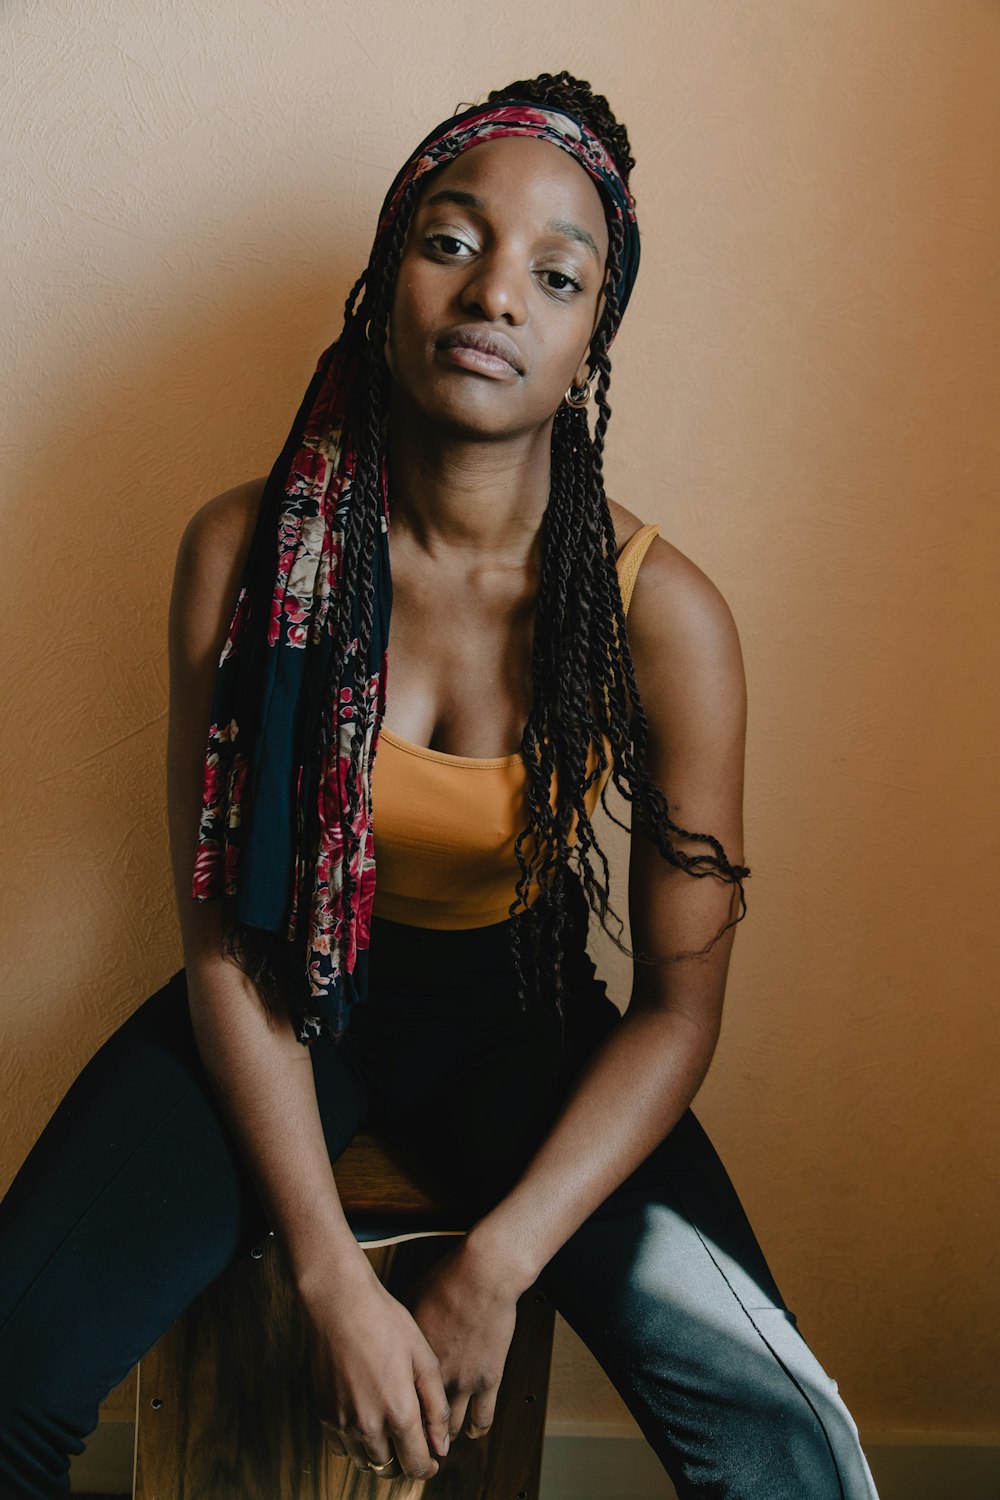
[197, 395]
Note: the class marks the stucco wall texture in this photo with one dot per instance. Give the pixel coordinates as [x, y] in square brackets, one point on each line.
[805, 399]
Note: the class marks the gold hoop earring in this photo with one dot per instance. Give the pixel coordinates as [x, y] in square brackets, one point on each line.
[578, 396]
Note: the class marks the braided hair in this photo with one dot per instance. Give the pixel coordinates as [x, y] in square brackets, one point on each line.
[583, 682]
[589, 689]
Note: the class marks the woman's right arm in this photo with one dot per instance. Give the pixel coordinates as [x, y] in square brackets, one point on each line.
[372, 1367]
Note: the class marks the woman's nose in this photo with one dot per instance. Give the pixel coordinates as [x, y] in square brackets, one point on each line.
[496, 289]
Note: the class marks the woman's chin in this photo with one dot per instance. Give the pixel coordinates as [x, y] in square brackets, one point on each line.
[474, 416]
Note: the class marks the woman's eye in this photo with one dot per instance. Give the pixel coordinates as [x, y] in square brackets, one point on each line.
[448, 244]
[560, 281]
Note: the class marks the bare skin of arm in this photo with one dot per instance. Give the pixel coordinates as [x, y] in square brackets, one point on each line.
[376, 1377]
[639, 1081]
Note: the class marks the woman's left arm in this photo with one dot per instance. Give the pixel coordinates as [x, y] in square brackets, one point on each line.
[636, 1085]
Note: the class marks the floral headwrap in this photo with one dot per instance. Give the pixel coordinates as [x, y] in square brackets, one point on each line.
[271, 840]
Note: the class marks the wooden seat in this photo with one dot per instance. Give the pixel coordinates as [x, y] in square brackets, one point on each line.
[226, 1408]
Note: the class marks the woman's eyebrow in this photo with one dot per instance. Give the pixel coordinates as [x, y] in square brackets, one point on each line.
[574, 232]
[455, 195]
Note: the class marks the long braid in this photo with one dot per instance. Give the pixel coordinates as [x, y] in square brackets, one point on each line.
[371, 321]
[583, 675]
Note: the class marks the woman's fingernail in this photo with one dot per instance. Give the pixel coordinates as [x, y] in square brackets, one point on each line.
[446, 1444]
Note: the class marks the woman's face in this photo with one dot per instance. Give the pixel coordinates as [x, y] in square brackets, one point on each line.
[499, 288]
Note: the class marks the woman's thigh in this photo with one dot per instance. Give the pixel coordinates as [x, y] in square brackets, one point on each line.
[668, 1286]
[133, 1199]
[665, 1282]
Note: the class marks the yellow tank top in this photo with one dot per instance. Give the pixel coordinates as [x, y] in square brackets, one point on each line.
[445, 825]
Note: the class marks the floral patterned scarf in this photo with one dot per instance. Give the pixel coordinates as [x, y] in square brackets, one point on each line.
[271, 839]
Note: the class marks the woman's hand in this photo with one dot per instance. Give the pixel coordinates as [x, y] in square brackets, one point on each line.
[467, 1311]
[377, 1380]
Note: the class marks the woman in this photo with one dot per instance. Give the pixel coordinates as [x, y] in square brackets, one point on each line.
[448, 1001]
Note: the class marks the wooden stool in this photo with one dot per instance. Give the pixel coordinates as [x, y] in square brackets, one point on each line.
[226, 1409]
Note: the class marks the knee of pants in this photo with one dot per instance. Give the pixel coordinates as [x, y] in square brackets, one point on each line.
[752, 1410]
[791, 1416]
[825, 1451]
[53, 1377]
[39, 1431]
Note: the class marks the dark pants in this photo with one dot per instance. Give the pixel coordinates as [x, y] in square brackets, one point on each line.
[135, 1198]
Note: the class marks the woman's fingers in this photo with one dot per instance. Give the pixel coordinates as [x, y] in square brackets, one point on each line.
[459, 1410]
[363, 1452]
[434, 1404]
[375, 1374]
[468, 1313]
[482, 1410]
[395, 1448]
[371, 1452]
[333, 1438]
[343, 1442]
[412, 1453]
[473, 1412]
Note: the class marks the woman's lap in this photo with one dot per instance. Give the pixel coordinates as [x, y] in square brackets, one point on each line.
[135, 1198]
[665, 1282]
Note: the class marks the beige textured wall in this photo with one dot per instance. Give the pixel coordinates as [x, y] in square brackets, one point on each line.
[805, 386]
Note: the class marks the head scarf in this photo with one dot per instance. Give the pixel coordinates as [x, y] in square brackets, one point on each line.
[271, 840]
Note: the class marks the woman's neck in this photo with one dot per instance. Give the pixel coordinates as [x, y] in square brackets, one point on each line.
[452, 494]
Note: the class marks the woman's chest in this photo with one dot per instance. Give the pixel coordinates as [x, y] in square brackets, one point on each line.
[459, 677]
[460, 650]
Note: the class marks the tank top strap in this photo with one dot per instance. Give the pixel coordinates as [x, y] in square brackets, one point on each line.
[630, 560]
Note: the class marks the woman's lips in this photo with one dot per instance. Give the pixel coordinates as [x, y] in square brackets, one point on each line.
[484, 354]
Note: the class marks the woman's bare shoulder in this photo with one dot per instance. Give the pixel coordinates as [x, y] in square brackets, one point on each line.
[210, 560]
[220, 531]
[679, 616]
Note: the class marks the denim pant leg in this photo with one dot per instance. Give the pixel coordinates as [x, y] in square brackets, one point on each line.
[668, 1287]
[665, 1282]
[130, 1203]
